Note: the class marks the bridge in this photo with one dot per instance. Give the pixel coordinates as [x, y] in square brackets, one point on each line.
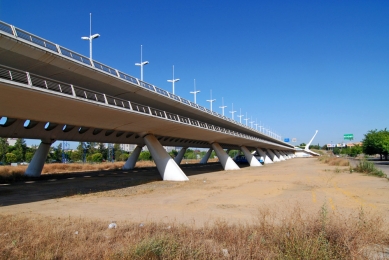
[50, 93]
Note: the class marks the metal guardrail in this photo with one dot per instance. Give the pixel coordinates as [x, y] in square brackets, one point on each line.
[78, 92]
[16, 32]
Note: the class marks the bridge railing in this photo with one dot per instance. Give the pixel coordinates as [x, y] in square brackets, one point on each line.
[54, 86]
[16, 32]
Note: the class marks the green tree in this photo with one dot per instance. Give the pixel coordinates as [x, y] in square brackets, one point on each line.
[173, 153]
[20, 149]
[144, 156]
[97, 157]
[57, 156]
[376, 142]
[11, 158]
[82, 151]
[101, 148]
[117, 151]
[76, 156]
[355, 150]
[3, 149]
[123, 157]
[29, 156]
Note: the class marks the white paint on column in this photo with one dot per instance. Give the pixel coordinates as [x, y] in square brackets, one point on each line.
[225, 160]
[250, 157]
[266, 158]
[167, 167]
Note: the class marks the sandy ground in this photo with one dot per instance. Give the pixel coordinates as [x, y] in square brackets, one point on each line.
[139, 195]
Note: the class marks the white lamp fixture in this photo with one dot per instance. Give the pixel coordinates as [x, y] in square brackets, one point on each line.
[194, 92]
[173, 80]
[141, 64]
[91, 37]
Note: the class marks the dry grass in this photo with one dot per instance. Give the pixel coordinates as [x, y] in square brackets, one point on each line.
[297, 235]
[16, 173]
[334, 161]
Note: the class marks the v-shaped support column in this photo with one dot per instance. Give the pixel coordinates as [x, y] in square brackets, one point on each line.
[167, 167]
[225, 160]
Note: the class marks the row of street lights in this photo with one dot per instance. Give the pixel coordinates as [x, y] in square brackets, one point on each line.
[195, 92]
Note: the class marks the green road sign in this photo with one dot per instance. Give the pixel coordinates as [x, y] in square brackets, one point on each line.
[348, 136]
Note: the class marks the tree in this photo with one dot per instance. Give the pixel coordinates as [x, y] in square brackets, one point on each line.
[3, 149]
[11, 158]
[173, 153]
[20, 149]
[29, 156]
[144, 156]
[123, 157]
[76, 156]
[117, 151]
[97, 157]
[376, 142]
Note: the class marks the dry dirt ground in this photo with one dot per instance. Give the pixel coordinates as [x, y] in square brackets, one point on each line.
[139, 195]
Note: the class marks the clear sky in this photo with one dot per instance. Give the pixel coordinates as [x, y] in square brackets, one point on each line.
[294, 66]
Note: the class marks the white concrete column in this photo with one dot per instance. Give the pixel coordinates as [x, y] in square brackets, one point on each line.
[131, 161]
[167, 167]
[35, 167]
[291, 154]
[266, 158]
[204, 160]
[225, 160]
[250, 157]
[279, 155]
[286, 156]
[180, 155]
[272, 156]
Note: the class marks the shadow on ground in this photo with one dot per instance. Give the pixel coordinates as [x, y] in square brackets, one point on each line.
[51, 186]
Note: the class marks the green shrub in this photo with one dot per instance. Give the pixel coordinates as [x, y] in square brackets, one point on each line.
[97, 157]
[369, 168]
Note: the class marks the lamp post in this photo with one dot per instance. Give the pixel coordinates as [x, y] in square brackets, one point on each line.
[240, 116]
[251, 122]
[211, 100]
[173, 80]
[194, 92]
[91, 37]
[232, 112]
[141, 64]
[223, 106]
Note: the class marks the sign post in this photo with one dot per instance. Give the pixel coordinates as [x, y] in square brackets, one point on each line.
[348, 137]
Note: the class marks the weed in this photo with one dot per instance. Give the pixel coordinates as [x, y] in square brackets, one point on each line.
[296, 235]
[369, 168]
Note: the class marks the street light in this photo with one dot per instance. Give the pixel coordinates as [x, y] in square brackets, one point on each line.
[91, 37]
[173, 80]
[246, 119]
[211, 100]
[233, 111]
[240, 116]
[194, 92]
[223, 106]
[141, 64]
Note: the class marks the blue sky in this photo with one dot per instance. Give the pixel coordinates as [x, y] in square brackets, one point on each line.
[295, 66]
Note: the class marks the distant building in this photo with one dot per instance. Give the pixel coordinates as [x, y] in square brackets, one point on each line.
[127, 147]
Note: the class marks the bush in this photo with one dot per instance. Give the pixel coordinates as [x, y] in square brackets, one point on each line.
[97, 157]
[145, 156]
[369, 168]
[124, 157]
[11, 158]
